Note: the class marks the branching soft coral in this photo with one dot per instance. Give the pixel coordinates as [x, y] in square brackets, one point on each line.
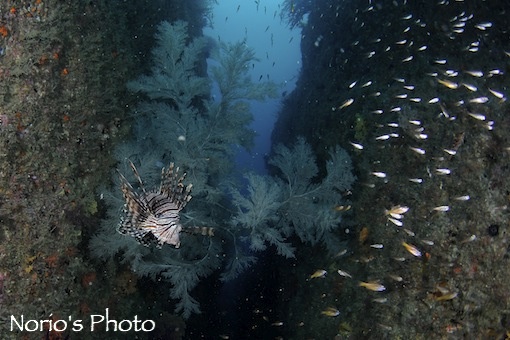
[173, 76]
[179, 123]
[294, 202]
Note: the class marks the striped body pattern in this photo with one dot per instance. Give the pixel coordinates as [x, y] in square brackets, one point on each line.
[153, 216]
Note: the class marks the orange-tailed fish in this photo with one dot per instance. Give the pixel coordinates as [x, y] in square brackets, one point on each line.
[373, 286]
[331, 311]
[412, 249]
[319, 273]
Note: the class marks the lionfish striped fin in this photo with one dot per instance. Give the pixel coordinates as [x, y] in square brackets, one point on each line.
[173, 188]
[137, 175]
[133, 202]
[135, 212]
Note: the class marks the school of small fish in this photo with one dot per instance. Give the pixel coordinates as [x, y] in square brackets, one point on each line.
[435, 115]
[427, 83]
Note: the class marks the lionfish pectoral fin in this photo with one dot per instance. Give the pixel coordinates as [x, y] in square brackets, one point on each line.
[141, 236]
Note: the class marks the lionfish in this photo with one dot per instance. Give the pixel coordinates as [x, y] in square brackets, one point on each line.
[153, 216]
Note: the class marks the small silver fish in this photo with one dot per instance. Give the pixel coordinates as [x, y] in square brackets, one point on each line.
[477, 74]
[396, 278]
[409, 232]
[477, 116]
[479, 100]
[449, 84]
[443, 171]
[397, 209]
[483, 26]
[346, 103]
[462, 198]
[497, 94]
[469, 239]
[496, 72]
[383, 137]
[396, 222]
[417, 150]
[470, 87]
[344, 273]
[380, 300]
[356, 145]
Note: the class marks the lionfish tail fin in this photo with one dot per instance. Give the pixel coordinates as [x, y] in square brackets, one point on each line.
[204, 231]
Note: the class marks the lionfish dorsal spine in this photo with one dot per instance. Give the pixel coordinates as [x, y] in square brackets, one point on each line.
[172, 186]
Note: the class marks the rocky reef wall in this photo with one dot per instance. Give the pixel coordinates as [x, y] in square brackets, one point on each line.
[418, 93]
